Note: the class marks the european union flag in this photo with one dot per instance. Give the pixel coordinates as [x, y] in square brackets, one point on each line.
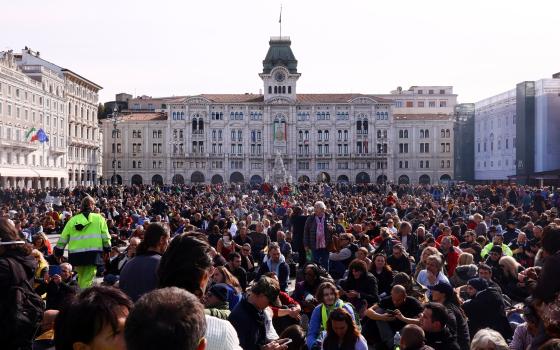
[42, 136]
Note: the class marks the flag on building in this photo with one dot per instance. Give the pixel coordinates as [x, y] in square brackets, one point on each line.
[40, 136]
[28, 134]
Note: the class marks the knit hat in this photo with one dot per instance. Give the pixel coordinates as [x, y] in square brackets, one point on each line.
[443, 287]
[220, 291]
[478, 283]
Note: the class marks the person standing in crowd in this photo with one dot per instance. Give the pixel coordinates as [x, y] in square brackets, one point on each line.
[297, 221]
[317, 236]
[87, 237]
[139, 275]
[181, 324]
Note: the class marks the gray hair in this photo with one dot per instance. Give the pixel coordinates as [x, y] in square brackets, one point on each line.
[320, 205]
[486, 338]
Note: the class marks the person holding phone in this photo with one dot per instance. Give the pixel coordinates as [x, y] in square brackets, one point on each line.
[60, 287]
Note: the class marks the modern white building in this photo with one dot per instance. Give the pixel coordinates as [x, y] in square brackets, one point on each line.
[495, 137]
[515, 133]
[346, 137]
[37, 94]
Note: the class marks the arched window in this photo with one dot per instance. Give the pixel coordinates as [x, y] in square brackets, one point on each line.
[270, 89]
[276, 89]
[283, 89]
[447, 133]
[426, 133]
[289, 89]
[365, 126]
[194, 124]
[406, 134]
[359, 126]
[442, 133]
[421, 133]
[200, 124]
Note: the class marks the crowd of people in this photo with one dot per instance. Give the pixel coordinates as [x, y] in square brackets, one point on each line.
[307, 266]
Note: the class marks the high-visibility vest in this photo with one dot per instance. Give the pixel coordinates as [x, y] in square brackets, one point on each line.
[93, 237]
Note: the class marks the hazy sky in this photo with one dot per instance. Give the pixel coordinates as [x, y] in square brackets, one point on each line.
[165, 48]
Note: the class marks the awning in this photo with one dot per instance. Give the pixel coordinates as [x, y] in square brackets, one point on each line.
[52, 173]
[18, 172]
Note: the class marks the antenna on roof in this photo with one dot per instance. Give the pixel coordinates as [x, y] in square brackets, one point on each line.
[280, 21]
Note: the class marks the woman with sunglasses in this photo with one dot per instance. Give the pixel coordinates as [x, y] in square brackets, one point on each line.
[342, 332]
[327, 295]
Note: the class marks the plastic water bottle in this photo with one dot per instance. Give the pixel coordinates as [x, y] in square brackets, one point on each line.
[397, 341]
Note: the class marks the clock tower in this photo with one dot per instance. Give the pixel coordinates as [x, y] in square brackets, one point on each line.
[279, 73]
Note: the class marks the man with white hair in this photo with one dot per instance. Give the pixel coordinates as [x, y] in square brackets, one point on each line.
[317, 235]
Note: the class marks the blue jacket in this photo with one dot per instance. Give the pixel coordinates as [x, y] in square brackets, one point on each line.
[283, 272]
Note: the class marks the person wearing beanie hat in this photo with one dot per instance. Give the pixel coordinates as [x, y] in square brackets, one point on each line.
[216, 301]
[486, 308]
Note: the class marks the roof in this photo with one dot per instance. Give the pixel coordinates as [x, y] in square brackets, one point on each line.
[76, 75]
[280, 54]
[142, 117]
[422, 116]
[301, 98]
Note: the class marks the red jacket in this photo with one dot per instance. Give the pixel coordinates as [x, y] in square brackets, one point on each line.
[452, 259]
[285, 300]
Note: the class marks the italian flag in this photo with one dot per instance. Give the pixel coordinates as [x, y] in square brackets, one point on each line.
[29, 133]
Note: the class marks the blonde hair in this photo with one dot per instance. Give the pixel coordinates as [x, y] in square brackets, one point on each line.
[510, 266]
[488, 338]
[465, 259]
[429, 252]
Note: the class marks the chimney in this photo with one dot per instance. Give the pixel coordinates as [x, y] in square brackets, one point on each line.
[556, 76]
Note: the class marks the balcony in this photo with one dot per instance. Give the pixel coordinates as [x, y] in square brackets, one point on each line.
[25, 146]
[324, 156]
[236, 155]
[57, 150]
[304, 156]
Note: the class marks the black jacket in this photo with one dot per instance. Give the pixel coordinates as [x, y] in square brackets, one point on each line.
[443, 340]
[487, 309]
[58, 294]
[366, 286]
[249, 324]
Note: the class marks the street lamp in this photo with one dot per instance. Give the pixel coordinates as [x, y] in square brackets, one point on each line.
[115, 115]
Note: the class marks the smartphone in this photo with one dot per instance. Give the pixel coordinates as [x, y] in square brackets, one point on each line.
[284, 341]
[54, 270]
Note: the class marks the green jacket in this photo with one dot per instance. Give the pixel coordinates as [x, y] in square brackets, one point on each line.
[87, 236]
[220, 311]
[505, 249]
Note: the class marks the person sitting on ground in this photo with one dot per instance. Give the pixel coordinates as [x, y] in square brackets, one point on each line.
[360, 287]
[382, 273]
[433, 322]
[385, 314]
[187, 264]
[342, 332]
[286, 311]
[167, 318]
[275, 262]
[450, 254]
[413, 338]
[60, 288]
[465, 270]
[362, 254]
[222, 275]
[421, 265]
[95, 319]
[216, 301]
[469, 245]
[488, 339]
[297, 336]
[139, 275]
[234, 266]
[45, 338]
[327, 295]
[340, 259]
[433, 273]
[444, 294]
[497, 241]
[486, 308]
[305, 290]
[524, 333]
[399, 260]
[248, 317]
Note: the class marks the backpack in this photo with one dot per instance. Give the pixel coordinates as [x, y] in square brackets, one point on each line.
[24, 312]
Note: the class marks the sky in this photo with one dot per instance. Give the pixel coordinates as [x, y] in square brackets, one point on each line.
[173, 48]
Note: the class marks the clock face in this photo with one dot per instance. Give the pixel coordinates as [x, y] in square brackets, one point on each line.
[279, 76]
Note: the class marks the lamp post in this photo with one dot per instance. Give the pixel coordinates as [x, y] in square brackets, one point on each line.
[115, 114]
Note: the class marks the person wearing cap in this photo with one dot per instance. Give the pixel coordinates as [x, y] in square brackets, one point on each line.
[511, 232]
[248, 317]
[444, 294]
[498, 240]
[87, 237]
[486, 308]
[216, 301]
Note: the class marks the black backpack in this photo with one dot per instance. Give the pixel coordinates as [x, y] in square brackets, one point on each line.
[24, 312]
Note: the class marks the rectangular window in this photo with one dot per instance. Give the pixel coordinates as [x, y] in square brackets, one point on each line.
[421, 104]
[431, 104]
[409, 104]
[443, 103]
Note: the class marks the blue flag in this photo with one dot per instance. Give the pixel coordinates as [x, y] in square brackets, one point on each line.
[42, 136]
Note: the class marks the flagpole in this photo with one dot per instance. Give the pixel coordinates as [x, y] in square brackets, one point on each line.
[280, 21]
